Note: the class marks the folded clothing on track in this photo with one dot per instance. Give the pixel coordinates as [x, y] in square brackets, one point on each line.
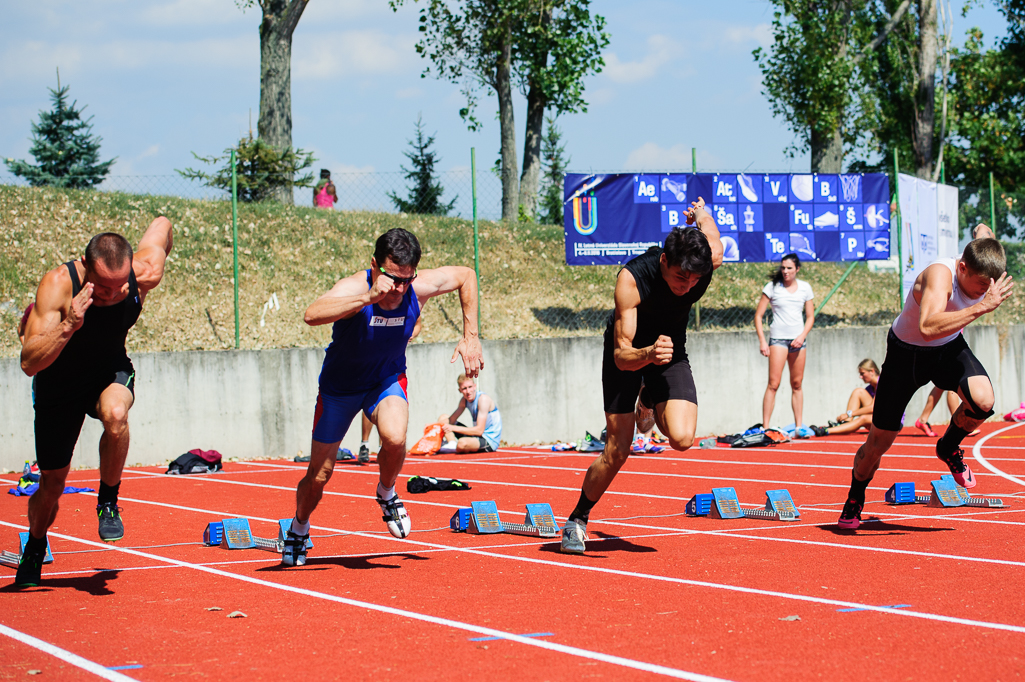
[423, 484]
[196, 462]
[26, 491]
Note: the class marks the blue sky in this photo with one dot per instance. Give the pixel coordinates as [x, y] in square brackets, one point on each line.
[164, 78]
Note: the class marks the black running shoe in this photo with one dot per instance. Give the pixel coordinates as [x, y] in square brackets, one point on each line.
[850, 517]
[364, 455]
[955, 462]
[820, 431]
[30, 570]
[111, 528]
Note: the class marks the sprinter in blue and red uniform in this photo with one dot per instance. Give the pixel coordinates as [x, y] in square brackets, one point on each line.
[373, 314]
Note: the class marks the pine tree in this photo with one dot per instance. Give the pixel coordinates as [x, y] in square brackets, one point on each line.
[553, 167]
[425, 194]
[67, 153]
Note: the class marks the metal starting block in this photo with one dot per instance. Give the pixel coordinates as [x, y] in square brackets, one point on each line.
[945, 493]
[236, 534]
[724, 504]
[482, 518]
[11, 559]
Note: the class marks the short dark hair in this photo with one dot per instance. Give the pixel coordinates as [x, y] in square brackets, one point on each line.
[985, 257]
[325, 174]
[399, 245]
[688, 249]
[109, 248]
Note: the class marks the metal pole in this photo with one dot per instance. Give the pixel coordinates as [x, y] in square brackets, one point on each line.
[992, 206]
[850, 269]
[900, 230]
[476, 232]
[234, 236]
[697, 304]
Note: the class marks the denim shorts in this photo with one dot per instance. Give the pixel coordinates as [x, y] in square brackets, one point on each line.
[787, 342]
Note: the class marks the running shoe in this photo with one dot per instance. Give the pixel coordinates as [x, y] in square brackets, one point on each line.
[574, 534]
[395, 516]
[294, 553]
[926, 429]
[364, 455]
[961, 472]
[850, 517]
[111, 529]
[974, 433]
[30, 570]
[820, 431]
[644, 414]
[640, 444]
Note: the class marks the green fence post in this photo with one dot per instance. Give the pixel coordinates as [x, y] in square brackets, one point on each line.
[476, 232]
[900, 230]
[850, 268]
[234, 236]
[697, 304]
[992, 206]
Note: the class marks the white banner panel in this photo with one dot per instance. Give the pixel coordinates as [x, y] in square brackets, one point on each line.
[946, 221]
[928, 214]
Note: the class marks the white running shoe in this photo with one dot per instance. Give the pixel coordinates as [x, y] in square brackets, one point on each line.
[294, 553]
[574, 534]
[395, 516]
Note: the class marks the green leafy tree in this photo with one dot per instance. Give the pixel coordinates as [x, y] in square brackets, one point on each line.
[262, 170]
[553, 169]
[425, 194]
[67, 154]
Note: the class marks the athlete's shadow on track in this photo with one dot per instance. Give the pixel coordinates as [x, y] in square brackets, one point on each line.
[603, 542]
[876, 526]
[357, 563]
[95, 584]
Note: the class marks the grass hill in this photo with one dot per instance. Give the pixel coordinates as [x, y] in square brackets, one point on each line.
[293, 254]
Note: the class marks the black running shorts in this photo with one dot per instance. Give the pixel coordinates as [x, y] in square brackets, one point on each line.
[59, 418]
[663, 382]
[908, 367]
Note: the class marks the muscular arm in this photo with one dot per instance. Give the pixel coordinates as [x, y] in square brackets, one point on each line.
[431, 283]
[346, 298]
[151, 255]
[483, 407]
[52, 321]
[706, 224]
[936, 289]
[627, 357]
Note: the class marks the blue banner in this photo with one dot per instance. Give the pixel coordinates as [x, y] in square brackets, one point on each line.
[611, 218]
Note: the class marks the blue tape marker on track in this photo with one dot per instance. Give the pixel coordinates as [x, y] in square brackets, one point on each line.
[123, 667]
[492, 639]
[895, 606]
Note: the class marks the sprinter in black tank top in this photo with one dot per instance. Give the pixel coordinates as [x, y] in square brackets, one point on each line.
[645, 343]
[74, 346]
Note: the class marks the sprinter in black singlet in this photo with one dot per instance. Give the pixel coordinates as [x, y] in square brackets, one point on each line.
[645, 342]
[74, 346]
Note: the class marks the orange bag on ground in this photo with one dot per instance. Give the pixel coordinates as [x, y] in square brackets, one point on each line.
[431, 441]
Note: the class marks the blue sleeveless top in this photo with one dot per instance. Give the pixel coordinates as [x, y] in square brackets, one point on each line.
[369, 347]
[493, 425]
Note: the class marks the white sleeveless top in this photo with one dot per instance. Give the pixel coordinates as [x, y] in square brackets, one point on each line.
[905, 327]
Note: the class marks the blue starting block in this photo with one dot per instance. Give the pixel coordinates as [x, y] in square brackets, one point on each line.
[237, 534]
[482, 518]
[11, 559]
[944, 493]
[723, 503]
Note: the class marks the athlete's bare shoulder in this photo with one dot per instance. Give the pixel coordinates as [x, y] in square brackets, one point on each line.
[56, 286]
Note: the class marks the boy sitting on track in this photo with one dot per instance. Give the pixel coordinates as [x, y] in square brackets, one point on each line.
[925, 344]
[373, 313]
[645, 341]
[486, 432]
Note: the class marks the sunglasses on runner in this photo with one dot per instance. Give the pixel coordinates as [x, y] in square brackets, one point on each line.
[398, 280]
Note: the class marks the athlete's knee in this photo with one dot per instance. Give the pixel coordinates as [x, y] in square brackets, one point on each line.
[979, 402]
[681, 442]
[795, 384]
[773, 384]
[115, 418]
[51, 483]
[443, 419]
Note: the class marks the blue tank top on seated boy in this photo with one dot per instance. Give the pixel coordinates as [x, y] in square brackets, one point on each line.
[369, 347]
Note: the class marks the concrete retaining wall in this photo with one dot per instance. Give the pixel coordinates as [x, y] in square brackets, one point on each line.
[253, 404]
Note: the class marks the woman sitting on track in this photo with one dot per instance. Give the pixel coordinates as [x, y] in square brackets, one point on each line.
[859, 405]
[788, 296]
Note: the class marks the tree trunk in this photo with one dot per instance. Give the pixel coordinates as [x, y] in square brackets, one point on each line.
[826, 152]
[537, 103]
[507, 123]
[280, 17]
[925, 108]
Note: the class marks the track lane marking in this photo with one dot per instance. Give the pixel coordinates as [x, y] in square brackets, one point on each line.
[65, 655]
[977, 453]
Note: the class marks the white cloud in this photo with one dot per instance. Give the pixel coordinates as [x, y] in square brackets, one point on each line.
[152, 150]
[650, 157]
[760, 33]
[661, 50]
[197, 13]
[600, 96]
[348, 53]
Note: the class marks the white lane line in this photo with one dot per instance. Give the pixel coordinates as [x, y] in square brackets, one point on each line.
[849, 453]
[547, 562]
[65, 655]
[977, 453]
[412, 615]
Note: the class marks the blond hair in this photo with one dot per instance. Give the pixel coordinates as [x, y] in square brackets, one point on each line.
[461, 378]
[869, 363]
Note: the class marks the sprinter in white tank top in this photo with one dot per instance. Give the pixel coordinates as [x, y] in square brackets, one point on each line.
[925, 345]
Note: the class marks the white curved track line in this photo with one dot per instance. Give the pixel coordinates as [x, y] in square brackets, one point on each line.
[66, 656]
[977, 454]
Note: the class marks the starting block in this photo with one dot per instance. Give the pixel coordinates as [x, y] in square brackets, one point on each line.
[724, 504]
[11, 559]
[482, 518]
[236, 534]
[945, 493]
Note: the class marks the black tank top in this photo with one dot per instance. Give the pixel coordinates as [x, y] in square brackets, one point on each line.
[660, 311]
[98, 345]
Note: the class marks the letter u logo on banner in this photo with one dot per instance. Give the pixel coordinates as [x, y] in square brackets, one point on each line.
[585, 215]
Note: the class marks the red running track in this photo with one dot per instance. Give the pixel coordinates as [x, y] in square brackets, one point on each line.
[916, 593]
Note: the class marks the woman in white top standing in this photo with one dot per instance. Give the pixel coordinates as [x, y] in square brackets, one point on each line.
[788, 296]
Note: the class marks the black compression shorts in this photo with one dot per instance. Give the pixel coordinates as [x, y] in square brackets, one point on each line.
[59, 418]
[908, 367]
[663, 382]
